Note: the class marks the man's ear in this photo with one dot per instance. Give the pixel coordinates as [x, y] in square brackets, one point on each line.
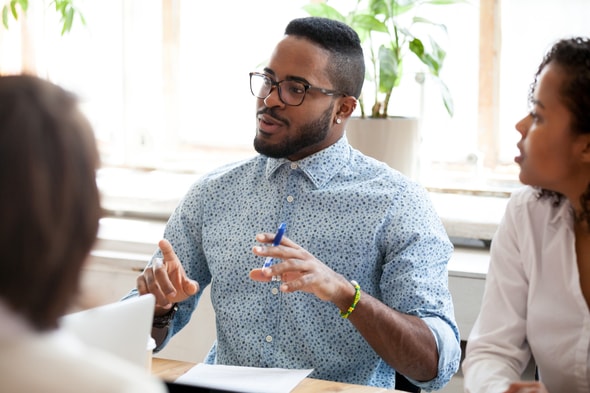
[347, 106]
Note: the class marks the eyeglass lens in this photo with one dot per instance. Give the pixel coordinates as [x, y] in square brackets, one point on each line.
[290, 92]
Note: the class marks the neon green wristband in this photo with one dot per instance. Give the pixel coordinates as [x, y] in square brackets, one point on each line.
[357, 297]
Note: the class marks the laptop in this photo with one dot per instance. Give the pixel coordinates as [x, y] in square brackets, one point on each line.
[122, 328]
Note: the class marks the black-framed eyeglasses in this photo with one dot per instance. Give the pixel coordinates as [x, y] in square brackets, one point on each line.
[291, 92]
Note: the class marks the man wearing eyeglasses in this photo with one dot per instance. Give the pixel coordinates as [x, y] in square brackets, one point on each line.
[359, 287]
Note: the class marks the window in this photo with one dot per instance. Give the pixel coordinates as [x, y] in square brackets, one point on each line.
[165, 83]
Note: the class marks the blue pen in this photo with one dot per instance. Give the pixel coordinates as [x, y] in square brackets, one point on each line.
[277, 240]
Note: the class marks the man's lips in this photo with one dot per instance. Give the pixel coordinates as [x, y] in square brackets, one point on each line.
[268, 123]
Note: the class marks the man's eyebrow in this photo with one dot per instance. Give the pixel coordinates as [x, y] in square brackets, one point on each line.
[269, 71]
[289, 77]
[538, 103]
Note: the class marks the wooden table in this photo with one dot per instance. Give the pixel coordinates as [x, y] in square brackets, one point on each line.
[169, 370]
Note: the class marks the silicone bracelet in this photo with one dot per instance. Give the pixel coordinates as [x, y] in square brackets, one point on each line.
[357, 297]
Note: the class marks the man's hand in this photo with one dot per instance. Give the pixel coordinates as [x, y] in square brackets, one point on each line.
[398, 334]
[166, 280]
[301, 271]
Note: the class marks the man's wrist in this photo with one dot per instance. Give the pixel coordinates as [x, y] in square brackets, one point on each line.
[163, 321]
[357, 297]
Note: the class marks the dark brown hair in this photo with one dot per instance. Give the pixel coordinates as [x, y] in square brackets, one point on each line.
[346, 68]
[572, 55]
[49, 200]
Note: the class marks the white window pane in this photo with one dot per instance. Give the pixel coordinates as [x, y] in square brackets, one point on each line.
[118, 64]
[529, 28]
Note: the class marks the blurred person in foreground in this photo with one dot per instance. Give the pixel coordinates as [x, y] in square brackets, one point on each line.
[49, 214]
[537, 291]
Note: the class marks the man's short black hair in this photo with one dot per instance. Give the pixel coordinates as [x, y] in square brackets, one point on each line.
[346, 68]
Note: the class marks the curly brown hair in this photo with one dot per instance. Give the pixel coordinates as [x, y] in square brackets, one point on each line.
[573, 56]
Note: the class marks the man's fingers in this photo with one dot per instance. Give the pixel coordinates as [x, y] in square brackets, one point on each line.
[141, 285]
[258, 275]
[190, 287]
[167, 279]
[268, 238]
[146, 283]
[160, 271]
[167, 250]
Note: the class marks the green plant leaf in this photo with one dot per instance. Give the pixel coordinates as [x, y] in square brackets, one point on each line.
[379, 7]
[13, 9]
[68, 20]
[446, 97]
[437, 51]
[5, 16]
[419, 19]
[417, 47]
[387, 39]
[324, 10]
[388, 70]
[63, 7]
[389, 9]
[432, 62]
[367, 23]
[60, 5]
[24, 4]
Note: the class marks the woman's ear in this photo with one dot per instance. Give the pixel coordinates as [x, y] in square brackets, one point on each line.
[585, 147]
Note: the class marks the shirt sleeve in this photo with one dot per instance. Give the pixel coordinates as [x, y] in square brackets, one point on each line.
[497, 351]
[183, 232]
[415, 277]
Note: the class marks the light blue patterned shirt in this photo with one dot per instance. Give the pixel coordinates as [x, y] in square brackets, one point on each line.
[356, 215]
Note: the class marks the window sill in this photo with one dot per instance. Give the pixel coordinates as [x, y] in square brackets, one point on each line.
[153, 195]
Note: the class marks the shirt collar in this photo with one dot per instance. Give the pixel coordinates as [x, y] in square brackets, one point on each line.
[565, 212]
[13, 324]
[319, 167]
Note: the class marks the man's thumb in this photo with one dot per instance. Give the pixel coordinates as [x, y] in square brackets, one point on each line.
[190, 287]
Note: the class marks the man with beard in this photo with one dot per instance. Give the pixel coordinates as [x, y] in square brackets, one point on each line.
[358, 289]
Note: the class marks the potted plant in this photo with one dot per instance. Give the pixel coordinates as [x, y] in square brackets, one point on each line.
[391, 31]
[65, 8]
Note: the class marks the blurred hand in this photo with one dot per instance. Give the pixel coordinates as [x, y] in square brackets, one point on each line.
[166, 280]
[527, 387]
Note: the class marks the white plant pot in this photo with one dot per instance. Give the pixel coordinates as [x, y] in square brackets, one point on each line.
[394, 140]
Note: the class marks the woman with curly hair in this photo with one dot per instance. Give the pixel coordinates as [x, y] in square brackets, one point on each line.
[537, 296]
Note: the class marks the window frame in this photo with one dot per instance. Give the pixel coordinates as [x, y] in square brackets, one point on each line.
[198, 155]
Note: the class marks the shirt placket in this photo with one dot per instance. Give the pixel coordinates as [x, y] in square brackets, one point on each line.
[287, 179]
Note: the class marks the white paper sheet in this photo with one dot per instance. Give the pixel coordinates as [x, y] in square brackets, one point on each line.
[244, 379]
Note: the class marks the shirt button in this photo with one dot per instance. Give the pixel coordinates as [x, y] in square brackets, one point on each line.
[293, 165]
[290, 198]
[274, 291]
[268, 339]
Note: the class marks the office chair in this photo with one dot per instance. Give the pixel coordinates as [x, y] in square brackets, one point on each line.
[402, 383]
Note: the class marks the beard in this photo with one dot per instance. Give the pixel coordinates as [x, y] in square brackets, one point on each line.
[307, 135]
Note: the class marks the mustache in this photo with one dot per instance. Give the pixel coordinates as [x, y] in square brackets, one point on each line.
[272, 113]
